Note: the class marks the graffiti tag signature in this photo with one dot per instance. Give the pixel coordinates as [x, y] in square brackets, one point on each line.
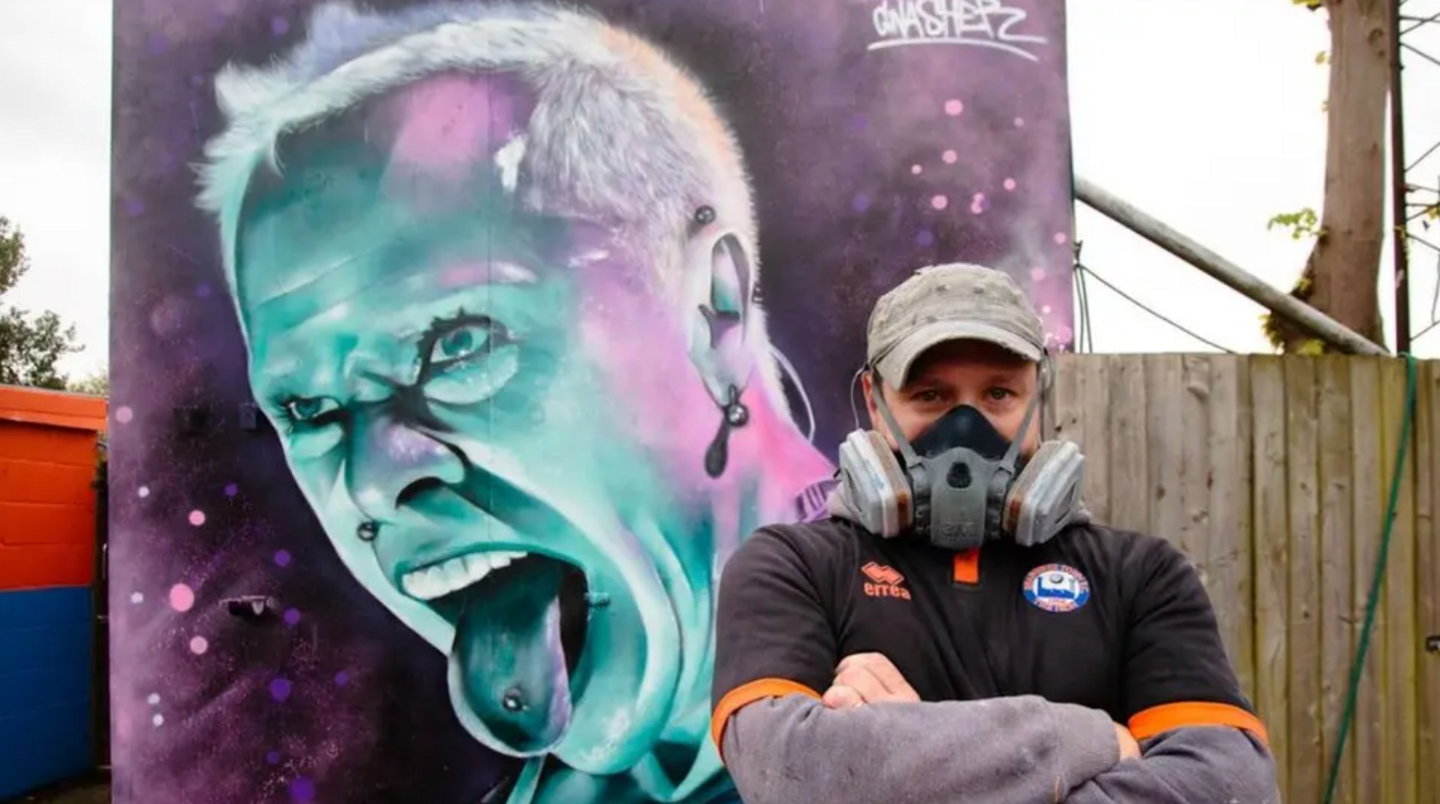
[982, 23]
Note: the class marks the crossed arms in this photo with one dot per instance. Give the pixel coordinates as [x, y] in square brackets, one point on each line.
[856, 733]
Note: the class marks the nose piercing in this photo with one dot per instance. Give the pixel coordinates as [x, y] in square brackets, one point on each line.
[368, 530]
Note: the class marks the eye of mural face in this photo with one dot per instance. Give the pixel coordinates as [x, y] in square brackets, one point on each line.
[458, 343]
[309, 410]
[467, 358]
[307, 420]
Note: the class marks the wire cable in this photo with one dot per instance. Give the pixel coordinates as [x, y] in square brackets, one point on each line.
[1084, 340]
[1377, 581]
[1084, 332]
[1082, 268]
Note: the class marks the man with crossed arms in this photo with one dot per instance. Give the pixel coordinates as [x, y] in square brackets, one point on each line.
[956, 629]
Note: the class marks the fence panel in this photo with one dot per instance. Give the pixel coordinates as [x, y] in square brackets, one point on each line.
[1427, 575]
[1273, 474]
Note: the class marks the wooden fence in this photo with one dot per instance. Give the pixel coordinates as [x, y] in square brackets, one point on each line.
[1272, 474]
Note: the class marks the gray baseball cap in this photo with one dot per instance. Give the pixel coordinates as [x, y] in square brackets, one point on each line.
[952, 302]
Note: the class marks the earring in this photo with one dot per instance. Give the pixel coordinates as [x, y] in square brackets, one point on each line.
[368, 530]
[735, 414]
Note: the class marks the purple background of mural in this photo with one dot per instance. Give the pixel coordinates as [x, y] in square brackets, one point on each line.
[335, 700]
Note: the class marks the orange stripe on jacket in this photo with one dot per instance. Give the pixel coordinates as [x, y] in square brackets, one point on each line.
[1160, 719]
[966, 566]
[748, 694]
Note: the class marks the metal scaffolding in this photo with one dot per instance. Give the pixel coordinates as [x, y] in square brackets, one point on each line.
[1415, 201]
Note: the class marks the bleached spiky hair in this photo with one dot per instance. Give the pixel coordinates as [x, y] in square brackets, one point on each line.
[620, 134]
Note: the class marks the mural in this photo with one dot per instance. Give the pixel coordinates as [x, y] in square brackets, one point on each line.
[457, 345]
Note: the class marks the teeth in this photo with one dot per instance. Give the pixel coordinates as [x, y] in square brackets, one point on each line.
[438, 580]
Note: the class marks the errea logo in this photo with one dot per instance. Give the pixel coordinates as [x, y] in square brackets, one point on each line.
[884, 581]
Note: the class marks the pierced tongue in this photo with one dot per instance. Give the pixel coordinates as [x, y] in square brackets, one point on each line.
[508, 656]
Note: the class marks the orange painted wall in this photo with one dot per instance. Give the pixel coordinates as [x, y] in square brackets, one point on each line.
[47, 505]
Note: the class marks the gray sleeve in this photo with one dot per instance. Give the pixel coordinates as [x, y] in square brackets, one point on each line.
[1193, 764]
[794, 750]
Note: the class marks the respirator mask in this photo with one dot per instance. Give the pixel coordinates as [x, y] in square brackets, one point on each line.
[962, 483]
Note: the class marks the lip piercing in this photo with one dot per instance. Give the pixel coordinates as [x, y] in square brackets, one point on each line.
[513, 700]
[368, 530]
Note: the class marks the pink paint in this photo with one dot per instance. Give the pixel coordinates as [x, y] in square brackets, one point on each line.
[197, 518]
[1060, 238]
[954, 107]
[1010, 184]
[444, 135]
[124, 414]
[916, 169]
[182, 597]
[950, 157]
[939, 202]
[1052, 299]
[451, 121]
[640, 345]
[198, 645]
[1037, 274]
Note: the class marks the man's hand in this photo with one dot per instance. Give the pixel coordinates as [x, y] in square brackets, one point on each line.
[1129, 747]
[863, 678]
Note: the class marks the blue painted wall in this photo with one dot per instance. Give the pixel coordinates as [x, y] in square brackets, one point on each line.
[46, 733]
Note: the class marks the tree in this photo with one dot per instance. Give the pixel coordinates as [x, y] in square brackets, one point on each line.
[1342, 274]
[31, 346]
[97, 384]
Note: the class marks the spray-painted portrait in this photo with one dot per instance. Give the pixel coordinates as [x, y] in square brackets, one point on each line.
[459, 344]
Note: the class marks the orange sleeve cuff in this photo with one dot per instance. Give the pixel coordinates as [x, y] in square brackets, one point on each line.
[750, 693]
[1167, 717]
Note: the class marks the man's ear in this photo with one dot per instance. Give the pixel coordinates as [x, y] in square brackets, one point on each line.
[869, 390]
[720, 294]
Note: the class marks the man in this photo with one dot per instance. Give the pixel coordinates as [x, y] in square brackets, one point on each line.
[956, 629]
[495, 267]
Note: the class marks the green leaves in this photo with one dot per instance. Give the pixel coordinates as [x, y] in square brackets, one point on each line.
[31, 345]
[1301, 224]
[13, 264]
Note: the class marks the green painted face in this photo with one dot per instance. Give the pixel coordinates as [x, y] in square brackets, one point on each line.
[493, 414]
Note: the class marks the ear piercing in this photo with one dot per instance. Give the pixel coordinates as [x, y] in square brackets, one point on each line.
[368, 530]
[734, 414]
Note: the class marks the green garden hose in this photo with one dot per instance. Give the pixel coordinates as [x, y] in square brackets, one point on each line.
[1378, 579]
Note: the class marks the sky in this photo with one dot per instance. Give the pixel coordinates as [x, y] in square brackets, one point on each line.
[1207, 115]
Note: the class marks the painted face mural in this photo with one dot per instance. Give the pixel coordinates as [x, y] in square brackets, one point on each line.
[488, 333]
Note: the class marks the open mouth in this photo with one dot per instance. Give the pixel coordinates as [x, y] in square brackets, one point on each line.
[438, 580]
[520, 627]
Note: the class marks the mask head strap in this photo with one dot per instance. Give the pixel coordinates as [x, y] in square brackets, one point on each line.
[1013, 454]
[912, 460]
